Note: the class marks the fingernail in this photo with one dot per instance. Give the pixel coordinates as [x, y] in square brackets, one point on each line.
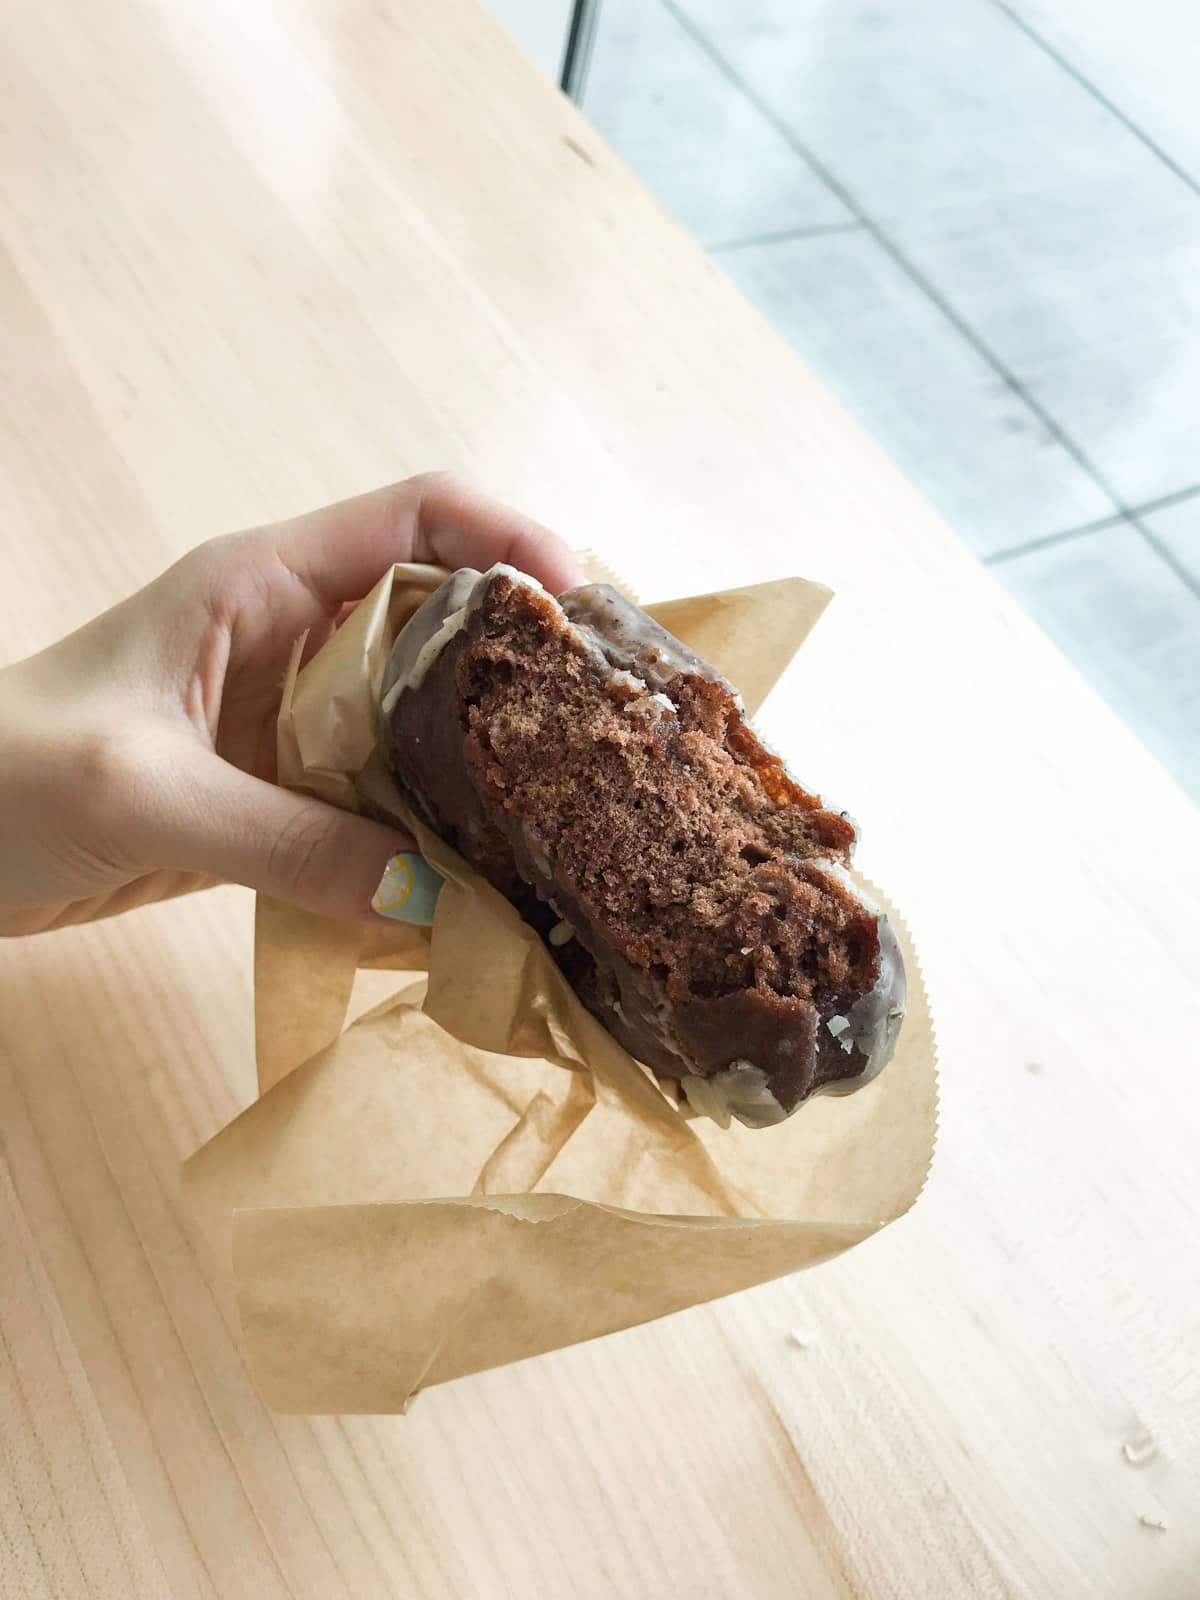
[408, 890]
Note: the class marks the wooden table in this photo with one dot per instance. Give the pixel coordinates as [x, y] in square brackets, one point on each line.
[258, 254]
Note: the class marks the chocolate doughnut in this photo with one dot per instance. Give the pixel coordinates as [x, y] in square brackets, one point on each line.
[604, 778]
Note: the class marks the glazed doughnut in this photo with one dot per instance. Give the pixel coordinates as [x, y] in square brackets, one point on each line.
[604, 778]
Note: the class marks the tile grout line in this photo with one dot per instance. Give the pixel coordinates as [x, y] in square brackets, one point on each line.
[1053, 427]
[1096, 93]
[1168, 556]
[1048, 541]
[1163, 502]
[1131, 520]
[784, 236]
[1100, 525]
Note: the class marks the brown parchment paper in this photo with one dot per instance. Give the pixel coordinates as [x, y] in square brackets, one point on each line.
[475, 1171]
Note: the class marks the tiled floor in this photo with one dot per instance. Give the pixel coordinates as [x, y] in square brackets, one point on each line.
[979, 222]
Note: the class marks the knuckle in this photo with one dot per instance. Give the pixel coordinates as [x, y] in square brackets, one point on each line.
[220, 571]
[303, 856]
[112, 769]
[206, 565]
[436, 478]
[429, 491]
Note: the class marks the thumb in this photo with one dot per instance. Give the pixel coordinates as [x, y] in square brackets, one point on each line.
[218, 820]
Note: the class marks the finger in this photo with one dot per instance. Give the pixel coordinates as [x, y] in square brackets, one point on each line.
[340, 552]
[210, 817]
[458, 528]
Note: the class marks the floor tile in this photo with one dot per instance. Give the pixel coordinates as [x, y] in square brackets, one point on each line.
[918, 388]
[710, 157]
[1178, 527]
[1131, 626]
[1145, 59]
[1131, 408]
[1070, 248]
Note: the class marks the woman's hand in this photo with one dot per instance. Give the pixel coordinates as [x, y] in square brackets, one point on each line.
[139, 753]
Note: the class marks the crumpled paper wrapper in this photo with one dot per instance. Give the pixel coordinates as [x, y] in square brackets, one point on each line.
[474, 1171]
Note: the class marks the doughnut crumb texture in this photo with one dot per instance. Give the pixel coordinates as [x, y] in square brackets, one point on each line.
[605, 779]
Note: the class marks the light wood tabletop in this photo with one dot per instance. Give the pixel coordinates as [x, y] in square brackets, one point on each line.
[256, 255]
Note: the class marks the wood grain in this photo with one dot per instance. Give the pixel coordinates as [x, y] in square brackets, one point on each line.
[257, 254]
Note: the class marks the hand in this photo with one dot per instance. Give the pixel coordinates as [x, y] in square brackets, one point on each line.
[139, 752]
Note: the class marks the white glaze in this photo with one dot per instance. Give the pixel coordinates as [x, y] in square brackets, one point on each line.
[452, 625]
[873, 1021]
[740, 1090]
[628, 680]
[631, 640]
[839, 1027]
